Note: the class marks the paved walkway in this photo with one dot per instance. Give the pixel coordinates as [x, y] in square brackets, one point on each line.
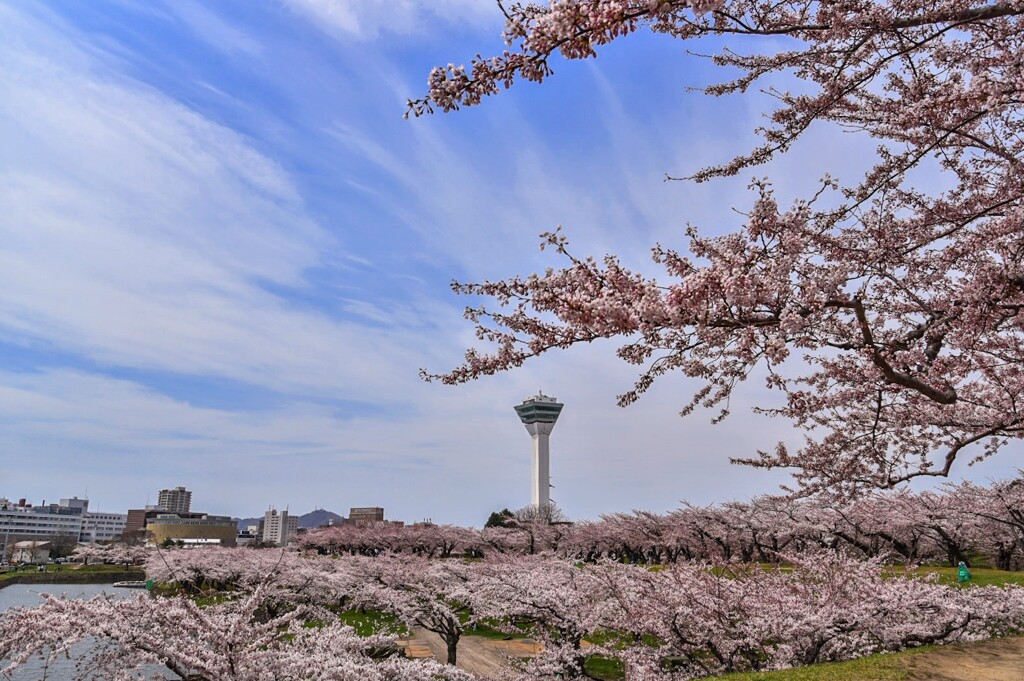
[480, 656]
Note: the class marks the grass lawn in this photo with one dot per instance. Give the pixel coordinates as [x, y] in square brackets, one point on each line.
[487, 629]
[483, 631]
[605, 668]
[979, 576]
[69, 569]
[370, 622]
[883, 667]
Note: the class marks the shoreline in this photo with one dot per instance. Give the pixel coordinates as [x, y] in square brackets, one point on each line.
[72, 578]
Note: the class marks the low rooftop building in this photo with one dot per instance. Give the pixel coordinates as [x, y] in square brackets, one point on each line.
[192, 529]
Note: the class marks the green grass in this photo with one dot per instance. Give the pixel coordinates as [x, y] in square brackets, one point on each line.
[370, 622]
[881, 667]
[491, 629]
[484, 631]
[979, 576]
[605, 668]
[69, 569]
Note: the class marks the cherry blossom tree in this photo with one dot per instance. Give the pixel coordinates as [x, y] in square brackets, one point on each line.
[220, 569]
[947, 522]
[126, 554]
[902, 296]
[999, 509]
[434, 595]
[222, 642]
[559, 602]
[738, 617]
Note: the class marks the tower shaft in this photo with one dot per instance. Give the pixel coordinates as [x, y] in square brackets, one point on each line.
[541, 477]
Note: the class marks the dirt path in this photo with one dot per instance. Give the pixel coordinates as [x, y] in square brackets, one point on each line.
[998, 660]
[483, 657]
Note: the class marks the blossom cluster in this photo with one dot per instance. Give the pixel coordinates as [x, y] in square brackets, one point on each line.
[890, 315]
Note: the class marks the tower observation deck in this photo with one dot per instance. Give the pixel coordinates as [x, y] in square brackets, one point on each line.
[539, 414]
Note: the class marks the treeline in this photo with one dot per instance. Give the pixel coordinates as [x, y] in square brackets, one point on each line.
[964, 522]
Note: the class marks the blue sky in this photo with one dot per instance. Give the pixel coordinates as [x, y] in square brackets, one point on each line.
[224, 255]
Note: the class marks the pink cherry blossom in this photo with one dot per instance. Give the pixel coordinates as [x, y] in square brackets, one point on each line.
[904, 305]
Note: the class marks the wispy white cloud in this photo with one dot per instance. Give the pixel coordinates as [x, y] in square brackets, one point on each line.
[366, 19]
[215, 31]
[138, 233]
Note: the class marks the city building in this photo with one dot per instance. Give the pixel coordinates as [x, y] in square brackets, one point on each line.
[137, 518]
[31, 552]
[75, 503]
[245, 538]
[278, 527]
[24, 522]
[365, 516]
[539, 414]
[103, 526]
[192, 529]
[177, 500]
[67, 521]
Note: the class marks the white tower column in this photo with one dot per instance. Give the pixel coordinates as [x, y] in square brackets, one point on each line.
[541, 433]
[539, 414]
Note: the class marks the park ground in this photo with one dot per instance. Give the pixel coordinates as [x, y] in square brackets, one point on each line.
[994, 660]
[70, 573]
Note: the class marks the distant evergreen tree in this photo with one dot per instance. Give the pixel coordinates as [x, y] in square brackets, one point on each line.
[499, 518]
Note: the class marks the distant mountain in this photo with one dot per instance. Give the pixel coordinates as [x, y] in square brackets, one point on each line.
[312, 519]
[317, 518]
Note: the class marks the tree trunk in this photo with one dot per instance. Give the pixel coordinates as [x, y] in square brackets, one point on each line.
[453, 644]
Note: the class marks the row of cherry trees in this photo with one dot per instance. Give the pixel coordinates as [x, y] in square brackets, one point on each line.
[688, 620]
[958, 523]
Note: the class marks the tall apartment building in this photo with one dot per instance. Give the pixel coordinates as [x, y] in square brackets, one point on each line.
[279, 527]
[177, 500]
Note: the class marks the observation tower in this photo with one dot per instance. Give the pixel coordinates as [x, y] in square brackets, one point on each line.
[539, 414]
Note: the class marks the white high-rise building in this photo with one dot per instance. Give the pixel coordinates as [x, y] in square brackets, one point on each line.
[279, 527]
[539, 414]
[177, 500]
